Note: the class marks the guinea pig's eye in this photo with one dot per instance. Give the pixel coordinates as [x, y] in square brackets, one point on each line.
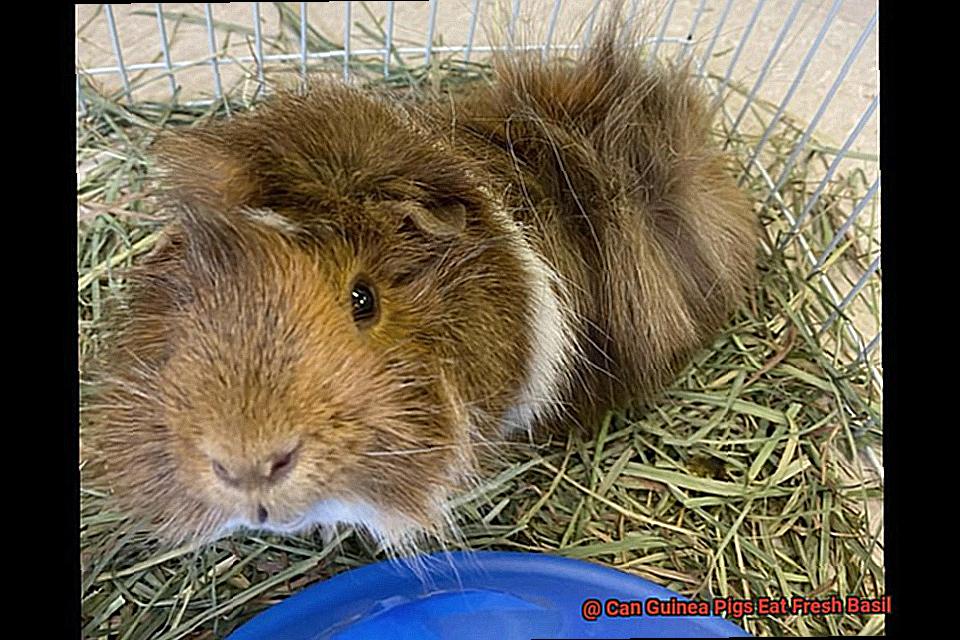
[364, 303]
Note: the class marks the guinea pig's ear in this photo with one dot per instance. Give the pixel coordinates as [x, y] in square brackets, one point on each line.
[198, 166]
[444, 220]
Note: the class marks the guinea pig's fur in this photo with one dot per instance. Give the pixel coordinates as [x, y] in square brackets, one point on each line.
[541, 248]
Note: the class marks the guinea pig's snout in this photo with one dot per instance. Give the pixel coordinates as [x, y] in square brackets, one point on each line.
[264, 472]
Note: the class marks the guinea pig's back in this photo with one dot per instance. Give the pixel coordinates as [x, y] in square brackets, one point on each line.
[610, 166]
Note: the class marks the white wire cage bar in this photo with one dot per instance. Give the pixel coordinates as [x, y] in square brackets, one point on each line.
[809, 64]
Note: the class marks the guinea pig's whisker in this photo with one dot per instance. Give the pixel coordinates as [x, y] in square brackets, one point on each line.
[405, 452]
[445, 447]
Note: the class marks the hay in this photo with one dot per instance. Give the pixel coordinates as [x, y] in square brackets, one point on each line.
[744, 480]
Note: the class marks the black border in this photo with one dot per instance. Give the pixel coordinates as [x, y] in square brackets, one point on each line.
[893, 229]
[68, 540]
[61, 523]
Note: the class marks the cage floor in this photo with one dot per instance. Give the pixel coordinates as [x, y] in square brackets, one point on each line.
[747, 479]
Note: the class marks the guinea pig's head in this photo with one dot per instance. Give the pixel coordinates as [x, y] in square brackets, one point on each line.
[289, 359]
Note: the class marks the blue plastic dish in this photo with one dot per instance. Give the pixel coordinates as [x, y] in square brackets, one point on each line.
[478, 595]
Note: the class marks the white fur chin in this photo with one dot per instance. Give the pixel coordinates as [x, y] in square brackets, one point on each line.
[328, 514]
[333, 512]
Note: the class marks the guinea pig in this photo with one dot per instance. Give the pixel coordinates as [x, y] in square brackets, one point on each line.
[357, 295]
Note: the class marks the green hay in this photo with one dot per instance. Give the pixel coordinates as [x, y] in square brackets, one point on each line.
[744, 480]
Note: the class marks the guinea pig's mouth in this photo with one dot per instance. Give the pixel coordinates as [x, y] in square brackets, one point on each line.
[245, 523]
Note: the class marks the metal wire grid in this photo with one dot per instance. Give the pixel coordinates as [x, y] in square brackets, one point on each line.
[215, 60]
[862, 349]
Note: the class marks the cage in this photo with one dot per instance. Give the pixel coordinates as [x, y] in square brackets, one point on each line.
[759, 473]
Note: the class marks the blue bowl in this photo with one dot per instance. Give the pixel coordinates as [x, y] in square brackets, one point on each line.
[477, 595]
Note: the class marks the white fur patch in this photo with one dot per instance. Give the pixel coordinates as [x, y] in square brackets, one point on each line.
[329, 513]
[355, 512]
[271, 218]
[553, 337]
[553, 344]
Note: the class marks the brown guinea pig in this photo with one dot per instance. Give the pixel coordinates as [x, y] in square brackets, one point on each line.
[357, 295]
